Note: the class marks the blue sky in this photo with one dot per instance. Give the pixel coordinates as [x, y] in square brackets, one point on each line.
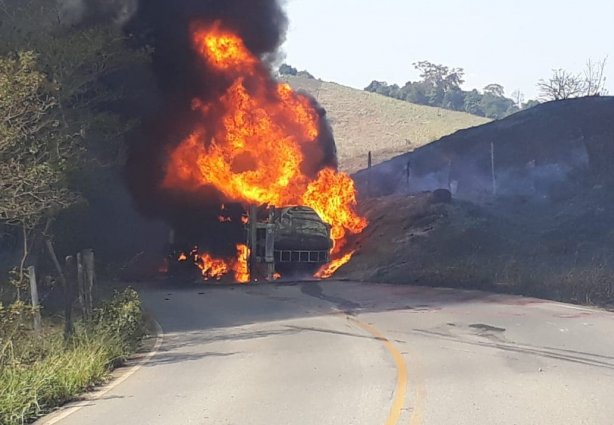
[514, 42]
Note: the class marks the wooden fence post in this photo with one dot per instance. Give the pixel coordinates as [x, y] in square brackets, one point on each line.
[69, 296]
[81, 287]
[35, 301]
[89, 278]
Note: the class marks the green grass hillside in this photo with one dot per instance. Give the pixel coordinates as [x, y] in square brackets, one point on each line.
[365, 122]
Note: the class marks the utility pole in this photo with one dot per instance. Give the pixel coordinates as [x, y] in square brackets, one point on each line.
[369, 165]
[492, 166]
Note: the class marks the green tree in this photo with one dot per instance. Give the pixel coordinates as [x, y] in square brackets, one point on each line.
[34, 152]
[440, 76]
[496, 107]
[530, 104]
[473, 100]
[65, 110]
[496, 90]
[455, 100]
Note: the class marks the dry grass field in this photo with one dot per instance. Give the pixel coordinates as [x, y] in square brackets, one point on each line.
[387, 127]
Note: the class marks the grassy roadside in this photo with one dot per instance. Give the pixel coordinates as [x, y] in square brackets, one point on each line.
[38, 374]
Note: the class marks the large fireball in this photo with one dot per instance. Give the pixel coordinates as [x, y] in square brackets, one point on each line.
[252, 142]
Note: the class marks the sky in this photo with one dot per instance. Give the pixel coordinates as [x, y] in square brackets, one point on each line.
[514, 43]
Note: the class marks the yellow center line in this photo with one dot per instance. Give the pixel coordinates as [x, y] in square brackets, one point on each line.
[401, 388]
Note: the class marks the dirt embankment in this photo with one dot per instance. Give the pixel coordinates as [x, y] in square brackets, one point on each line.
[526, 153]
[560, 251]
[549, 234]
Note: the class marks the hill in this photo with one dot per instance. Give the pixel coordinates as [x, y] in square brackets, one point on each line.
[546, 231]
[387, 127]
[531, 152]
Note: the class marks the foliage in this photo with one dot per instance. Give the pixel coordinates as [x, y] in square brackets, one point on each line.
[65, 108]
[32, 150]
[39, 374]
[121, 317]
[286, 69]
[495, 90]
[439, 76]
[441, 87]
[564, 84]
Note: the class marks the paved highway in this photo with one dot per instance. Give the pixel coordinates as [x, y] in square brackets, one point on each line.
[351, 353]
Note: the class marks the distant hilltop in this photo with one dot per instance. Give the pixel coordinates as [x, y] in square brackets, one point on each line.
[366, 122]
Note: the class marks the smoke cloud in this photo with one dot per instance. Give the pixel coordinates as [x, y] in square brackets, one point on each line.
[181, 76]
[90, 11]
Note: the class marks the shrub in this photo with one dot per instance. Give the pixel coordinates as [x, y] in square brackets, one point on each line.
[39, 374]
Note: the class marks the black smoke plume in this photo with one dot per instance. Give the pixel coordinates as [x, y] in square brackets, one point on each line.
[79, 12]
[181, 76]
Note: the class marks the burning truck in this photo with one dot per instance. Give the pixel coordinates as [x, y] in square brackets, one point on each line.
[252, 141]
[288, 240]
[291, 241]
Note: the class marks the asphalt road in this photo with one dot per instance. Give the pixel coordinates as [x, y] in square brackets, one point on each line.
[350, 353]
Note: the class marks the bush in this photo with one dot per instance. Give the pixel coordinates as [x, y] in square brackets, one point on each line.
[39, 374]
[122, 318]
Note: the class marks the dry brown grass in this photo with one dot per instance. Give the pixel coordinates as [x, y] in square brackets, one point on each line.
[387, 127]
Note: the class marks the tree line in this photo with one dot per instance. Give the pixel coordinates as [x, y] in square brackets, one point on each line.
[64, 112]
[441, 86]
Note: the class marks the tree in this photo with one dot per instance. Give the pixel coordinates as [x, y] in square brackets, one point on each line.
[473, 100]
[33, 149]
[440, 87]
[63, 111]
[496, 90]
[518, 98]
[454, 100]
[286, 69]
[440, 76]
[562, 85]
[594, 78]
[496, 107]
[530, 104]
[383, 88]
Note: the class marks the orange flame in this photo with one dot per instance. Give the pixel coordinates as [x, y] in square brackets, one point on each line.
[218, 268]
[241, 267]
[212, 268]
[255, 152]
[330, 269]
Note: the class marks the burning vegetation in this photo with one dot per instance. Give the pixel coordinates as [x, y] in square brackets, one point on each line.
[256, 144]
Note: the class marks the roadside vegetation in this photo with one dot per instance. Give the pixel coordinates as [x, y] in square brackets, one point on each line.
[41, 372]
[66, 108]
